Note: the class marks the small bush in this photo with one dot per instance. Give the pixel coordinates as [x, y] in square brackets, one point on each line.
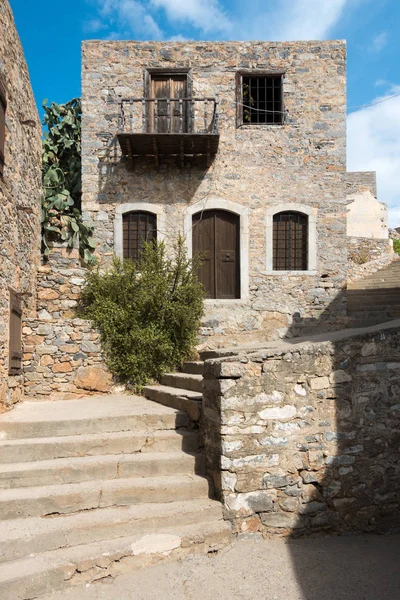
[148, 314]
[396, 246]
[360, 255]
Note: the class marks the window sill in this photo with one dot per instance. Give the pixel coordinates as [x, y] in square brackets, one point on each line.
[249, 127]
[225, 300]
[291, 273]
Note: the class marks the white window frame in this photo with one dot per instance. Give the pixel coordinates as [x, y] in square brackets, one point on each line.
[311, 213]
[243, 213]
[155, 209]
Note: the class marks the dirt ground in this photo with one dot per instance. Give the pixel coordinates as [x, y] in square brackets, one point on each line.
[330, 568]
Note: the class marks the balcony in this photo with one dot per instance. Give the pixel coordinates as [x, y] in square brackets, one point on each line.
[169, 127]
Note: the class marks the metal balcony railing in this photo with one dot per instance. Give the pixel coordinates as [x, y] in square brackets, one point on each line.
[196, 116]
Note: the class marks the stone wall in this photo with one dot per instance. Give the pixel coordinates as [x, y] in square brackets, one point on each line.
[62, 354]
[305, 437]
[19, 195]
[361, 181]
[358, 271]
[363, 250]
[256, 169]
[62, 359]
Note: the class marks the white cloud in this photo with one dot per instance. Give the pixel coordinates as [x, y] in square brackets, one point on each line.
[257, 20]
[379, 41]
[290, 20]
[206, 15]
[373, 144]
[128, 16]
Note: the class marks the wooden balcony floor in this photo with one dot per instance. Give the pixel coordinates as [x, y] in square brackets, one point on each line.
[153, 144]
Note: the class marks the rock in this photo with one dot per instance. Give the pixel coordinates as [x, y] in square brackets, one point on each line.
[93, 378]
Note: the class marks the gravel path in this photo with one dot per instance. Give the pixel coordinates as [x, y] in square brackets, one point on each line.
[339, 568]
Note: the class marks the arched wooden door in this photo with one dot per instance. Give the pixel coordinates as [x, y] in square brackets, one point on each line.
[216, 237]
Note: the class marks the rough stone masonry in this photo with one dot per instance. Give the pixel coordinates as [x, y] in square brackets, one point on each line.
[305, 437]
[258, 168]
[20, 187]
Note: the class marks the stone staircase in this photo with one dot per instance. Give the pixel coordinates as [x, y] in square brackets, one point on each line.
[95, 487]
[182, 391]
[375, 298]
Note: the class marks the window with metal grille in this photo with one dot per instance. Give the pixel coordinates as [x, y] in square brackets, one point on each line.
[261, 100]
[138, 227]
[3, 105]
[290, 241]
[15, 334]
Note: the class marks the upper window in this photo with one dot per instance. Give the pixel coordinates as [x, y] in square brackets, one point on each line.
[138, 227]
[3, 104]
[261, 100]
[290, 241]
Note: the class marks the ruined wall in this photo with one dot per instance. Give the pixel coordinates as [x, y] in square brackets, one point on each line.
[366, 216]
[19, 194]
[257, 167]
[305, 437]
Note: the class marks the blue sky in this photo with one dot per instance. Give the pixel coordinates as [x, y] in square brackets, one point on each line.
[51, 34]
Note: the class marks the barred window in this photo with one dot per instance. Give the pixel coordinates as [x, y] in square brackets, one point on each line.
[290, 241]
[261, 100]
[138, 227]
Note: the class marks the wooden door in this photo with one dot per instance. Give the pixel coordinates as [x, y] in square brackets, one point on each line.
[168, 117]
[216, 241]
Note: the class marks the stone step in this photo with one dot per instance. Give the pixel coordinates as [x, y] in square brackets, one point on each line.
[179, 399]
[31, 449]
[58, 569]
[390, 312]
[193, 367]
[24, 537]
[89, 468]
[185, 381]
[88, 416]
[74, 497]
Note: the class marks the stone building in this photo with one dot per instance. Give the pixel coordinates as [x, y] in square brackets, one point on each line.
[240, 147]
[20, 183]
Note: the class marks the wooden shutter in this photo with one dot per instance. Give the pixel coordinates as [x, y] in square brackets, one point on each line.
[3, 105]
[15, 334]
[290, 242]
[168, 117]
[216, 242]
[138, 227]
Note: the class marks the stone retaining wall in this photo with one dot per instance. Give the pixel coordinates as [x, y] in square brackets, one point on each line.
[306, 437]
[363, 250]
[62, 354]
[62, 358]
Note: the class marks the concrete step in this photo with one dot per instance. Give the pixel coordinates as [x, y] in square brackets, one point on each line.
[25, 537]
[96, 414]
[58, 569]
[179, 399]
[74, 497]
[185, 381]
[193, 367]
[98, 444]
[90, 468]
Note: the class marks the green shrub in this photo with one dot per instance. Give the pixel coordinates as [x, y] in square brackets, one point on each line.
[148, 314]
[396, 246]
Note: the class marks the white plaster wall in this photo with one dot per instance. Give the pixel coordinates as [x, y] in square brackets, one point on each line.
[366, 217]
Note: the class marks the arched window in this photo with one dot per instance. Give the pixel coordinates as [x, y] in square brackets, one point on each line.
[138, 227]
[290, 241]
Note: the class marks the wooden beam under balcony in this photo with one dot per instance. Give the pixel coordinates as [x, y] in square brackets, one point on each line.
[168, 144]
